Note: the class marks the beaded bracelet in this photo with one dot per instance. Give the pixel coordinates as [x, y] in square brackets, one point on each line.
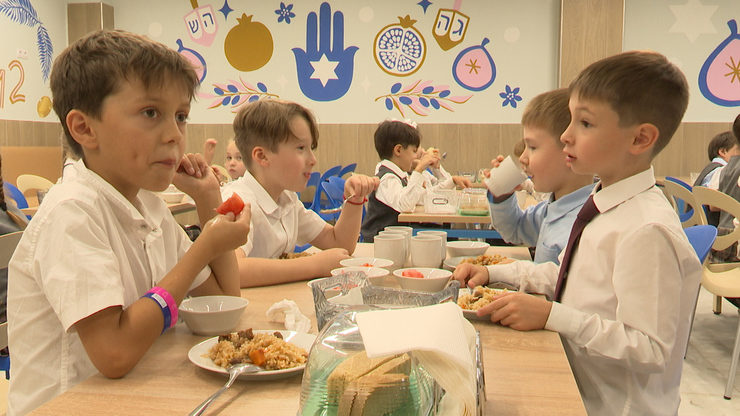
[166, 303]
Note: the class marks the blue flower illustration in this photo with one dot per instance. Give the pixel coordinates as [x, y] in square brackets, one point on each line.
[285, 13]
[510, 96]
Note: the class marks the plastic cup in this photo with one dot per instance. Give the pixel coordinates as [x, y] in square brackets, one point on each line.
[505, 177]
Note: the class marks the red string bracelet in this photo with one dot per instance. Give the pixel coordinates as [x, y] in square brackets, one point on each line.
[355, 203]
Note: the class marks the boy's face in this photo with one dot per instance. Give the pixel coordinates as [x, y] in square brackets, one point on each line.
[140, 136]
[405, 156]
[234, 163]
[543, 160]
[290, 167]
[727, 154]
[594, 141]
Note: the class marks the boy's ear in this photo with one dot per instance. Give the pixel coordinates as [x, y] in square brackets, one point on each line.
[81, 129]
[646, 135]
[259, 155]
[397, 149]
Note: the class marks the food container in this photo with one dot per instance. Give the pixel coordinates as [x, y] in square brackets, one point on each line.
[441, 201]
[473, 201]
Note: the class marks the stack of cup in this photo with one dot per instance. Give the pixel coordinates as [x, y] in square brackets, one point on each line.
[391, 246]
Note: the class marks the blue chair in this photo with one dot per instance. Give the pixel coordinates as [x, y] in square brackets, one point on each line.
[347, 169]
[681, 194]
[333, 188]
[16, 194]
[701, 238]
[300, 249]
[313, 180]
[316, 204]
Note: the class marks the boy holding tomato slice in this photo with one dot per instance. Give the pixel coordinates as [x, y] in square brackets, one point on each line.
[277, 139]
[101, 268]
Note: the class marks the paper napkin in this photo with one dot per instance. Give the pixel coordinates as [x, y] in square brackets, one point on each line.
[441, 339]
[287, 312]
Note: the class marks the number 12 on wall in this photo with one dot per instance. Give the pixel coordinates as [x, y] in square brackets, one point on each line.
[15, 95]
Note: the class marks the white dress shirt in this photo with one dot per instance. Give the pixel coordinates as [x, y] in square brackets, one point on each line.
[437, 178]
[275, 228]
[712, 178]
[392, 192]
[86, 249]
[624, 315]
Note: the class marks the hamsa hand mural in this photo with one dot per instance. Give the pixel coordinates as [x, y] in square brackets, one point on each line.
[719, 78]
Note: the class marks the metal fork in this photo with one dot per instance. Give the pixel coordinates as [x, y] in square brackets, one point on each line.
[234, 371]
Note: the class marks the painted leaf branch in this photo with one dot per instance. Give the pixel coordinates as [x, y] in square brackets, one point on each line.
[22, 12]
[236, 93]
[420, 97]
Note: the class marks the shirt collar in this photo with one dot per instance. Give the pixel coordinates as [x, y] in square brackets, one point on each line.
[565, 204]
[720, 161]
[392, 166]
[613, 195]
[263, 199]
[148, 208]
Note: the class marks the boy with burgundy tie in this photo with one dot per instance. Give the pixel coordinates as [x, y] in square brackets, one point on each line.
[622, 297]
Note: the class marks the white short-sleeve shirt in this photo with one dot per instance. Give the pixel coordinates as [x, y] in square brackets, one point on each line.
[86, 249]
[275, 227]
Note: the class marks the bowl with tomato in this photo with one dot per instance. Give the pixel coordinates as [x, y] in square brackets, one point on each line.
[423, 279]
[366, 262]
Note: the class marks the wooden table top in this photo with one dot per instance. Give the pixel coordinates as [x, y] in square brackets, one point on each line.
[419, 215]
[178, 208]
[527, 373]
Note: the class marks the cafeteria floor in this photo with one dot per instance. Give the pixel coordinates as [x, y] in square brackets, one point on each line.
[704, 371]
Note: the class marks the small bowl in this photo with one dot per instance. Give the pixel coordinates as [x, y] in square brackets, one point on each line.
[375, 275]
[172, 197]
[362, 261]
[466, 248]
[437, 282]
[212, 315]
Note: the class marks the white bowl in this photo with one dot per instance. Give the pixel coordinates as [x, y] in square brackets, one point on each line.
[212, 315]
[466, 248]
[362, 261]
[438, 280]
[172, 197]
[375, 275]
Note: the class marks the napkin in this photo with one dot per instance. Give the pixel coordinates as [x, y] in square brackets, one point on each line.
[441, 339]
[287, 311]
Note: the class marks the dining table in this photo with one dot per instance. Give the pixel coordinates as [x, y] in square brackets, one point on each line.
[526, 373]
[175, 208]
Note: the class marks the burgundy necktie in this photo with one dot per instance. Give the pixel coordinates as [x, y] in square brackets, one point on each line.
[585, 215]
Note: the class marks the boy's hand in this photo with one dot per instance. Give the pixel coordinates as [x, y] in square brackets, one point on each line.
[329, 259]
[462, 182]
[194, 176]
[471, 275]
[495, 162]
[360, 186]
[429, 159]
[224, 233]
[209, 150]
[518, 310]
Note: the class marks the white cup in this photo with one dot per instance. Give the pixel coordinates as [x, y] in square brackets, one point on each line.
[392, 247]
[408, 230]
[441, 234]
[406, 238]
[426, 251]
[505, 177]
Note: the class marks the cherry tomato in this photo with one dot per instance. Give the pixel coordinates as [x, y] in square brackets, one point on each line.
[233, 204]
[412, 273]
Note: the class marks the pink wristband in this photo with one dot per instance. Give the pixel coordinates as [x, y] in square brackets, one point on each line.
[170, 303]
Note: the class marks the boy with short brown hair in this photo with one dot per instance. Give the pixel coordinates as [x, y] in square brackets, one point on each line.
[276, 139]
[623, 295]
[102, 266]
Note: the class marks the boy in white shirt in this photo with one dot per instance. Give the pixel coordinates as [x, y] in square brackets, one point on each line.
[102, 266]
[436, 177]
[622, 302]
[397, 144]
[547, 224]
[277, 139]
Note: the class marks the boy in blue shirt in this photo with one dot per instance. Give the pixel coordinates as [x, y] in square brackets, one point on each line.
[546, 225]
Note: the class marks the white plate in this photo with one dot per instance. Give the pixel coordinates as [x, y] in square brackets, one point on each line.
[198, 355]
[452, 262]
[470, 314]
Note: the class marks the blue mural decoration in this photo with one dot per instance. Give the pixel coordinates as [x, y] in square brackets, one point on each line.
[719, 78]
[237, 93]
[225, 9]
[325, 67]
[424, 5]
[285, 13]
[421, 97]
[195, 58]
[510, 97]
[22, 12]
[474, 68]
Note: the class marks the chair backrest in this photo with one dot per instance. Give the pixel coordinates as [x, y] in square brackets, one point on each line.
[316, 204]
[334, 188]
[684, 202]
[714, 198]
[33, 182]
[16, 194]
[8, 243]
[702, 238]
[347, 169]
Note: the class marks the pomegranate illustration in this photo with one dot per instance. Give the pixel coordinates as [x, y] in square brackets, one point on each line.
[399, 48]
[248, 45]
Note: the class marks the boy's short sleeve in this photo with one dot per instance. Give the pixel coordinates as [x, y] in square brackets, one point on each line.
[184, 244]
[310, 224]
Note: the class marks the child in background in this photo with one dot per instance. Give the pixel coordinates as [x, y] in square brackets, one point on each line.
[12, 219]
[546, 225]
[397, 144]
[623, 300]
[278, 138]
[233, 162]
[102, 266]
[721, 149]
[436, 177]
[725, 180]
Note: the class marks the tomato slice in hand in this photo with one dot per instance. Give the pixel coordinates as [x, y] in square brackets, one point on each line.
[233, 204]
[412, 273]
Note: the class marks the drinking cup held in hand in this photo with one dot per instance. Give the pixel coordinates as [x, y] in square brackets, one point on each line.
[505, 177]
